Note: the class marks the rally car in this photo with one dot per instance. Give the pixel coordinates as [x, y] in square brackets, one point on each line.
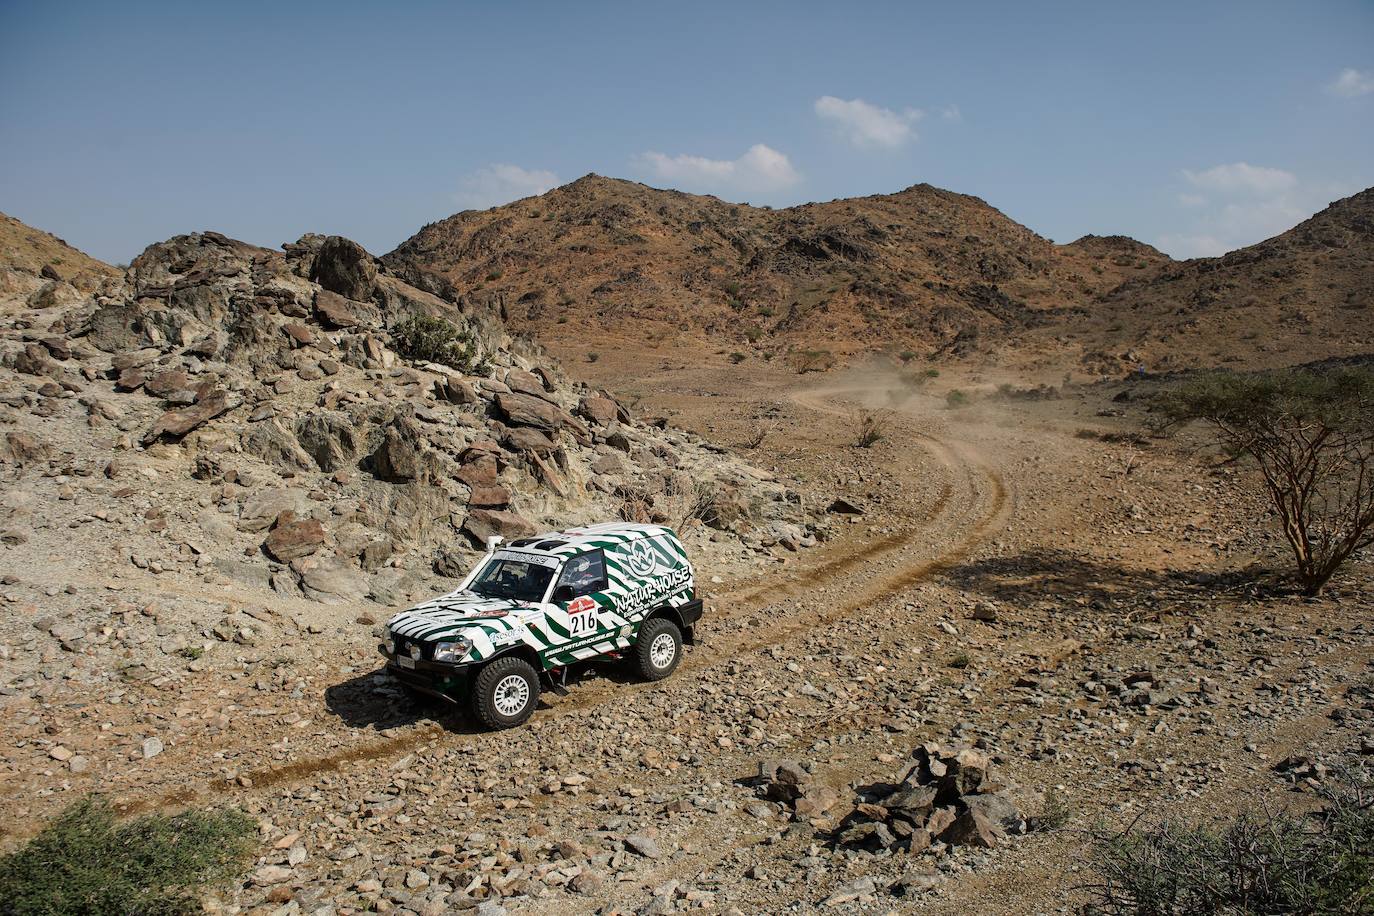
[536, 605]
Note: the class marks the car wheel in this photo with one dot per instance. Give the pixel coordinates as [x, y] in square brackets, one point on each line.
[505, 692]
[658, 650]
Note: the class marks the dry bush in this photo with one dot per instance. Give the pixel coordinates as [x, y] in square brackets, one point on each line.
[1255, 864]
[1312, 436]
[870, 428]
[84, 861]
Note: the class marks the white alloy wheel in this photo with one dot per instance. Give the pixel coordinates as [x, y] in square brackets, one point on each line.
[512, 694]
[662, 650]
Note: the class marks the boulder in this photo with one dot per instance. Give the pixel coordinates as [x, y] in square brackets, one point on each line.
[263, 508]
[335, 311]
[527, 410]
[343, 266]
[331, 579]
[167, 383]
[489, 497]
[402, 454]
[177, 423]
[293, 539]
[528, 439]
[483, 523]
[522, 382]
[329, 438]
[601, 411]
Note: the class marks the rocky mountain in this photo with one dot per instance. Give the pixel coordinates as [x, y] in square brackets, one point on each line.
[226, 420]
[923, 268]
[38, 268]
[1304, 295]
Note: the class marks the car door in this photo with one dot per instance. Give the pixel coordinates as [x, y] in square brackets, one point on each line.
[582, 615]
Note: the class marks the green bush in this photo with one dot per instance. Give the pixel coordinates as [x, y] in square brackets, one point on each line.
[422, 339]
[84, 863]
[1311, 434]
[1254, 864]
[956, 398]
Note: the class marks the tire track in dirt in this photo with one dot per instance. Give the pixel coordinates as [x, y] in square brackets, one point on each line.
[984, 509]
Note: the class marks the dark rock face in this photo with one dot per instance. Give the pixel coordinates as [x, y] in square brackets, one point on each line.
[330, 438]
[343, 266]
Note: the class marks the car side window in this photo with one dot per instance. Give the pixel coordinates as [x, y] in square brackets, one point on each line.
[585, 573]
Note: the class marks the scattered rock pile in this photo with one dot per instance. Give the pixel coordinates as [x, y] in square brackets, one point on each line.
[947, 795]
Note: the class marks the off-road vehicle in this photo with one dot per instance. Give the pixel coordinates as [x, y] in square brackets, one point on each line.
[536, 605]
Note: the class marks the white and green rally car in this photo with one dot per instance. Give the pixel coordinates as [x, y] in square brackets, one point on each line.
[536, 605]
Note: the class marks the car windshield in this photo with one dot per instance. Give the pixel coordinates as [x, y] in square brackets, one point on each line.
[513, 579]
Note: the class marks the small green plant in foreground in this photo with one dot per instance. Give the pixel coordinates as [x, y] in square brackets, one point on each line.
[1254, 864]
[422, 339]
[84, 862]
[956, 398]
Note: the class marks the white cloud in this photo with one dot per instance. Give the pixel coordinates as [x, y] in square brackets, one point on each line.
[502, 183]
[762, 168]
[951, 113]
[867, 125]
[1242, 177]
[1192, 246]
[1244, 204]
[1352, 83]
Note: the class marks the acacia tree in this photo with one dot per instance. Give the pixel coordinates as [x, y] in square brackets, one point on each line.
[1312, 436]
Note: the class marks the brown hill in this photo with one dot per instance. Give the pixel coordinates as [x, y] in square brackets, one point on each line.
[38, 266]
[924, 268]
[1302, 295]
[603, 262]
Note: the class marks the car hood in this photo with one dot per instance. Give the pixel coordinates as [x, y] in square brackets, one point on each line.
[449, 614]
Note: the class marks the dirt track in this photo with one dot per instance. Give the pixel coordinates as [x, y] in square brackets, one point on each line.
[841, 659]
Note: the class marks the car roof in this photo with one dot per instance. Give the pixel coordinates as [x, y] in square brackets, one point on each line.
[572, 541]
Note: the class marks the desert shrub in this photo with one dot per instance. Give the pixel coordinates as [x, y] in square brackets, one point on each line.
[736, 358]
[697, 503]
[752, 333]
[755, 439]
[960, 661]
[956, 398]
[84, 862]
[869, 428]
[1254, 864]
[813, 360]
[767, 311]
[422, 339]
[1055, 814]
[593, 356]
[493, 276]
[1311, 434]
[907, 356]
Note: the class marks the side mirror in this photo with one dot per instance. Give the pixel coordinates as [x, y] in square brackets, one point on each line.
[563, 594]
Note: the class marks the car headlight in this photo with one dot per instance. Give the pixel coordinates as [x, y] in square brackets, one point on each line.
[389, 642]
[452, 651]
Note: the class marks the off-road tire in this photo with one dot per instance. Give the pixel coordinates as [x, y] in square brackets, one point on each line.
[495, 693]
[649, 658]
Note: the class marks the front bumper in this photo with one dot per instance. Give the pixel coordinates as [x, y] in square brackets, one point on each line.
[445, 680]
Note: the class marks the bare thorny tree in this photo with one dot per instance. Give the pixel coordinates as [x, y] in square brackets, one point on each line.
[1311, 434]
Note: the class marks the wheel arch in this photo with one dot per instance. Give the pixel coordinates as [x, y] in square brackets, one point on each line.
[520, 650]
[668, 612]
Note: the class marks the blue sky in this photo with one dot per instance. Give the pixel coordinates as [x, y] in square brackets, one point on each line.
[1196, 126]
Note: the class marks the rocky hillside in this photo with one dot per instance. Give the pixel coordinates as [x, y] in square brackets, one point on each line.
[924, 268]
[1304, 295]
[602, 262]
[39, 269]
[227, 421]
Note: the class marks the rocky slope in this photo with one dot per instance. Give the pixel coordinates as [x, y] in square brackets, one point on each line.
[924, 268]
[1302, 295]
[39, 269]
[931, 272]
[232, 429]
